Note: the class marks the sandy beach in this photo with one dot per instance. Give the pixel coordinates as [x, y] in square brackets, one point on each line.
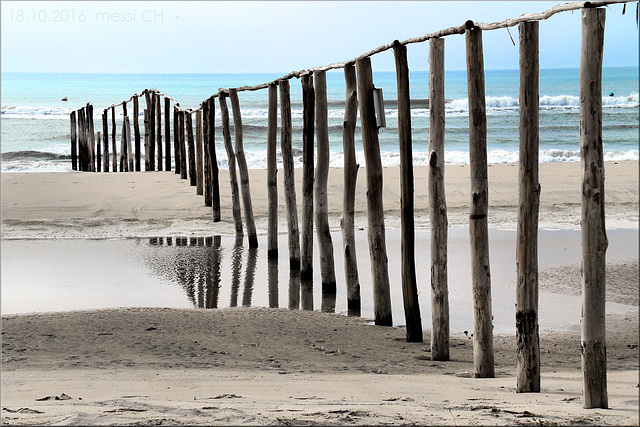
[173, 366]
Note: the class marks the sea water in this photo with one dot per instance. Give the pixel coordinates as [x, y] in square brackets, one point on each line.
[36, 127]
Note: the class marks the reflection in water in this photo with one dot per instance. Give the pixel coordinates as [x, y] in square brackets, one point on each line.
[306, 294]
[294, 289]
[236, 266]
[249, 276]
[272, 267]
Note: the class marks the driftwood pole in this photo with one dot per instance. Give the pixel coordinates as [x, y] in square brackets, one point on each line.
[233, 178]
[376, 232]
[99, 153]
[167, 134]
[528, 356]
[594, 233]
[408, 256]
[91, 139]
[151, 106]
[483, 360]
[158, 108]
[272, 180]
[105, 138]
[242, 168]
[81, 139]
[213, 162]
[192, 149]
[147, 156]
[438, 205]
[199, 171]
[74, 142]
[289, 181]
[325, 244]
[129, 149]
[124, 155]
[347, 223]
[183, 145]
[176, 139]
[207, 158]
[306, 232]
[136, 132]
[114, 163]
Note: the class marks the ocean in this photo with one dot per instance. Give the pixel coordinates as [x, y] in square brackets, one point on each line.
[36, 132]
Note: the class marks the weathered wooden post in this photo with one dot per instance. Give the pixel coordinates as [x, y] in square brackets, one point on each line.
[213, 162]
[74, 142]
[105, 138]
[594, 233]
[438, 205]
[183, 145]
[147, 148]
[167, 134]
[199, 171]
[124, 164]
[306, 233]
[136, 131]
[375, 210]
[408, 256]
[114, 161]
[129, 145]
[347, 223]
[272, 181]
[233, 178]
[151, 106]
[81, 139]
[242, 168]
[192, 148]
[99, 153]
[483, 360]
[207, 158]
[528, 356]
[158, 108]
[289, 180]
[176, 139]
[325, 244]
[91, 140]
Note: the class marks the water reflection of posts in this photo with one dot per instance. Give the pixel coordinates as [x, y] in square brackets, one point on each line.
[294, 289]
[272, 272]
[249, 276]
[306, 293]
[236, 268]
[212, 272]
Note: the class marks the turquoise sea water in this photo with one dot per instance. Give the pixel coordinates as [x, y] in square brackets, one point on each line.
[36, 131]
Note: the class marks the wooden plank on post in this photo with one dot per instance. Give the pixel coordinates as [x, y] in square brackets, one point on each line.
[192, 149]
[306, 232]
[167, 134]
[207, 158]
[74, 142]
[242, 168]
[136, 132]
[375, 211]
[199, 166]
[347, 223]
[183, 145]
[99, 153]
[289, 180]
[528, 355]
[272, 175]
[213, 163]
[233, 178]
[147, 156]
[593, 229]
[325, 243]
[438, 205]
[114, 162]
[158, 108]
[105, 138]
[176, 139]
[407, 232]
[483, 359]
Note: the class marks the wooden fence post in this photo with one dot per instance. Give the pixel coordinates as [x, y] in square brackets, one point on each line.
[233, 178]
[375, 210]
[81, 139]
[91, 140]
[213, 162]
[136, 132]
[272, 177]
[129, 146]
[176, 139]
[99, 153]
[347, 223]
[74, 142]
[158, 108]
[207, 158]
[325, 244]
[105, 138]
[192, 149]
[183, 145]
[408, 260]
[151, 106]
[242, 168]
[124, 164]
[438, 205]
[528, 355]
[199, 171]
[483, 360]
[289, 180]
[594, 233]
[147, 156]
[167, 134]
[114, 162]
[306, 233]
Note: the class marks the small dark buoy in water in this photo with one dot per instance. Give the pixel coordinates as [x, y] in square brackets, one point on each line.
[610, 93]
[64, 99]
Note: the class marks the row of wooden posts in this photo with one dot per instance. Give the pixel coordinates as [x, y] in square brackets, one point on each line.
[359, 94]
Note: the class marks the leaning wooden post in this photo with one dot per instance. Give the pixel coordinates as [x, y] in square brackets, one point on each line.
[74, 142]
[167, 134]
[325, 244]
[213, 162]
[158, 129]
[289, 180]
[272, 174]
[408, 256]
[192, 149]
[91, 140]
[176, 139]
[594, 233]
[207, 158]
[183, 145]
[375, 210]
[233, 178]
[242, 168]
[528, 356]
[136, 132]
[147, 164]
[199, 171]
[438, 205]
[99, 153]
[347, 223]
[105, 138]
[114, 162]
[306, 233]
[483, 360]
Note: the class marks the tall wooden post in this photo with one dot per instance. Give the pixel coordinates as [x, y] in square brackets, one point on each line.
[242, 168]
[407, 245]
[289, 180]
[483, 360]
[213, 162]
[528, 356]
[82, 139]
[136, 132]
[91, 164]
[438, 205]
[167, 134]
[192, 149]
[199, 171]
[183, 145]
[74, 142]
[325, 244]
[272, 179]
[151, 106]
[105, 138]
[129, 146]
[124, 165]
[99, 153]
[207, 158]
[147, 147]
[158, 108]
[306, 233]
[114, 163]
[594, 233]
[233, 178]
[347, 223]
[176, 139]
[375, 210]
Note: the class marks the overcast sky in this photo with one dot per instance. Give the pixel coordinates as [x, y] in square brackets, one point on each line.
[263, 36]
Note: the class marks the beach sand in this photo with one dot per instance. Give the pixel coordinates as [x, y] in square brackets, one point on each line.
[149, 366]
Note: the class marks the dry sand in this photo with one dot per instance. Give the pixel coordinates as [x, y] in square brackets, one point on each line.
[276, 366]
